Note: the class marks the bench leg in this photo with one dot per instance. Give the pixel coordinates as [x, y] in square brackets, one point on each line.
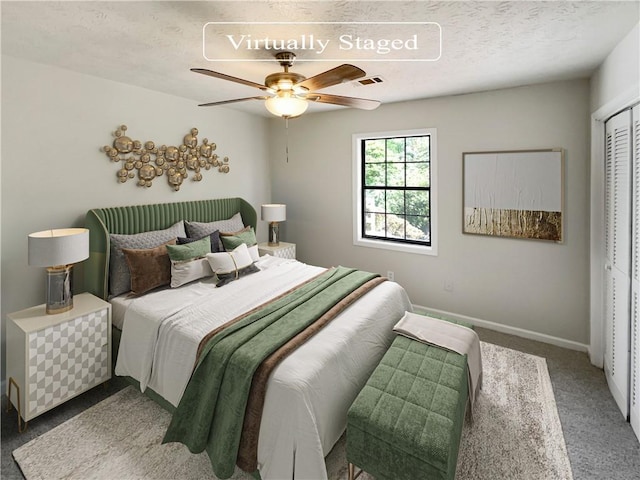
[352, 469]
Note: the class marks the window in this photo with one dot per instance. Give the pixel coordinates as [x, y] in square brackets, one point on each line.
[394, 190]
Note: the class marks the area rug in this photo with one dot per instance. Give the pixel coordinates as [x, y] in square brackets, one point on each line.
[515, 434]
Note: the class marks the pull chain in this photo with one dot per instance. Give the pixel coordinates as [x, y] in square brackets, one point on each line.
[286, 127]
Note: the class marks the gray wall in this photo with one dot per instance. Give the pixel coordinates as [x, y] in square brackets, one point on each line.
[526, 285]
[54, 122]
[619, 75]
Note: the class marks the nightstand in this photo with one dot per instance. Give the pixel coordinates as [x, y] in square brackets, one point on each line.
[53, 358]
[283, 250]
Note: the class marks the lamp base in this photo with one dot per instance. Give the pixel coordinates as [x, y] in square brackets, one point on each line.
[274, 235]
[59, 289]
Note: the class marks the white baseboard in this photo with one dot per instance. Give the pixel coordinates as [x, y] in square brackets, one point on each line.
[498, 327]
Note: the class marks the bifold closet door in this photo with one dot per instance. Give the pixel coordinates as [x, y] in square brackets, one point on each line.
[634, 364]
[618, 257]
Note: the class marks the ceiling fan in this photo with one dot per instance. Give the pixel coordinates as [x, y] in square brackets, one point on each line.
[289, 92]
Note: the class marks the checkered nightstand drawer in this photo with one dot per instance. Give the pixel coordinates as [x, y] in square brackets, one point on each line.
[283, 250]
[52, 358]
[67, 358]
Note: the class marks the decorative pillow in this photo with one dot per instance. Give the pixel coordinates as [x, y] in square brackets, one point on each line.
[231, 241]
[229, 266]
[189, 251]
[225, 262]
[119, 275]
[200, 229]
[253, 251]
[242, 230]
[216, 244]
[185, 272]
[149, 268]
[224, 278]
[188, 261]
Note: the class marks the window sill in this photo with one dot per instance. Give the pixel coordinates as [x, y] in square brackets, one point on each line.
[406, 248]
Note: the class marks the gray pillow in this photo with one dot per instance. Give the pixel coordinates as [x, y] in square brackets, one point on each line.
[224, 278]
[200, 229]
[119, 273]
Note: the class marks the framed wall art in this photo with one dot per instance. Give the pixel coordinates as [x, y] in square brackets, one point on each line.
[517, 194]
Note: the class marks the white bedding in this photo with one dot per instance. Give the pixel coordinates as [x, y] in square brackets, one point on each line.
[119, 307]
[309, 392]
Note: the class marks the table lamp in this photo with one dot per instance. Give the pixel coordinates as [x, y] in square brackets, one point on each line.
[58, 250]
[274, 213]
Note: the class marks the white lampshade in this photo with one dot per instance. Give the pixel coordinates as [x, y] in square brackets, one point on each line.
[274, 212]
[58, 250]
[64, 246]
[286, 104]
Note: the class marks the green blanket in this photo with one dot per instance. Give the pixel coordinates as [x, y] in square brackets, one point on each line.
[211, 412]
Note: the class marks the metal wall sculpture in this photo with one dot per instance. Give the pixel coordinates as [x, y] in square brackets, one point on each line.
[149, 161]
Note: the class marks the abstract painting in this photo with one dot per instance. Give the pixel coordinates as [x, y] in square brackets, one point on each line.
[515, 194]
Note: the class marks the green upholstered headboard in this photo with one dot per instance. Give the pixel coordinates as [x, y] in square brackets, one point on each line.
[143, 218]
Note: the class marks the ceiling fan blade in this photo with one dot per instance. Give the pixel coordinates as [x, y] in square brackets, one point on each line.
[224, 76]
[213, 104]
[362, 103]
[340, 74]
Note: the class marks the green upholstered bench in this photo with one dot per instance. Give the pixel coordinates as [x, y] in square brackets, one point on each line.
[406, 423]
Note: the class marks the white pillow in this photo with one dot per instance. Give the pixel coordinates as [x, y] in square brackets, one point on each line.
[255, 254]
[227, 262]
[185, 272]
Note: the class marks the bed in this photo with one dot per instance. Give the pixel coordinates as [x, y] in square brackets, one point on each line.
[158, 335]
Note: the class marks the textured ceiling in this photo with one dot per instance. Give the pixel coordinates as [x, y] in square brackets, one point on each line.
[485, 45]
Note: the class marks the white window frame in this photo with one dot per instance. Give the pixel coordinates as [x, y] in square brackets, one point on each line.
[358, 239]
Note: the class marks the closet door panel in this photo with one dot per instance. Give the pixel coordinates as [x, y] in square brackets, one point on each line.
[634, 360]
[634, 384]
[618, 224]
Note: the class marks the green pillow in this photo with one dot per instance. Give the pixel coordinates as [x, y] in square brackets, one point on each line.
[230, 242]
[189, 251]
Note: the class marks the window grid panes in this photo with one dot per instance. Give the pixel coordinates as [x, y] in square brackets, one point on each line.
[396, 189]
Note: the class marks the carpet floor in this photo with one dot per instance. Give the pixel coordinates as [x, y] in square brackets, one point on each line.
[599, 442]
[515, 433]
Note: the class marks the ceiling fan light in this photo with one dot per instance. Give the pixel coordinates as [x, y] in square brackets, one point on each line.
[287, 106]
[285, 84]
[299, 90]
